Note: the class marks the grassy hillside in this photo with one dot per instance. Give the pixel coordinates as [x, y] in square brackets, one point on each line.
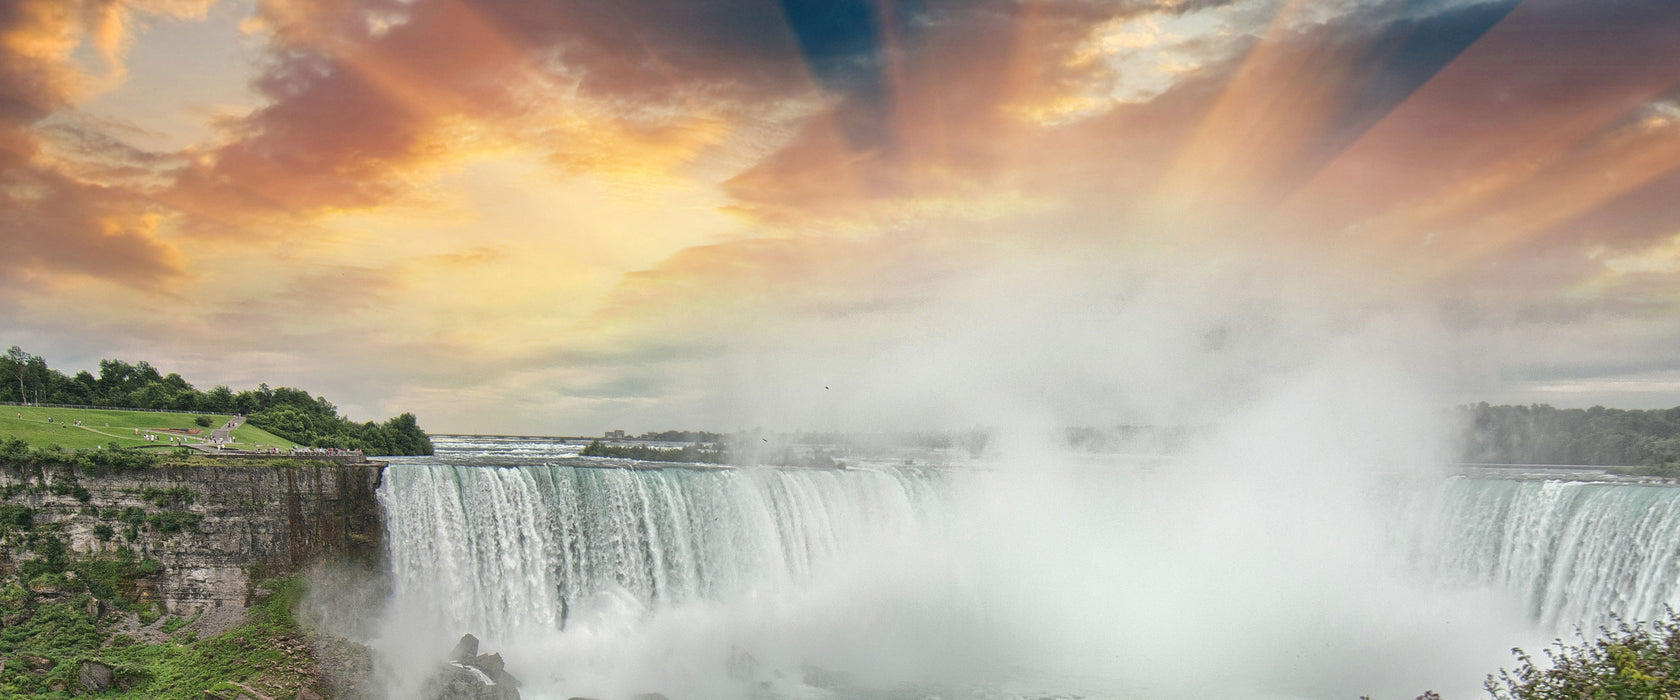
[247, 436]
[101, 427]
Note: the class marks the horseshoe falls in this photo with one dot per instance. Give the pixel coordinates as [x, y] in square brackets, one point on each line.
[1573, 553]
[1092, 579]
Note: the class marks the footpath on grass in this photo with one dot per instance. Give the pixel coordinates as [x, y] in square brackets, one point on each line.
[83, 428]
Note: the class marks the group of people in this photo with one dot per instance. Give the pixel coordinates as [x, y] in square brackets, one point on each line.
[152, 437]
[328, 451]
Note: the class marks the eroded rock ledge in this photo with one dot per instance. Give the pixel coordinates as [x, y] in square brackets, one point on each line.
[212, 530]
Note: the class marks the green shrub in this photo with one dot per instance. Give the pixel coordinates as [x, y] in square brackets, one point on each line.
[163, 498]
[202, 421]
[113, 578]
[175, 623]
[1639, 661]
[18, 517]
[170, 522]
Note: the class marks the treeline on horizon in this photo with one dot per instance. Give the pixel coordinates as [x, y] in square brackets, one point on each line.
[715, 452]
[1599, 436]
[287, 412]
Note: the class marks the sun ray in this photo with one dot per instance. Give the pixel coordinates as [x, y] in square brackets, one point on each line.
[1490, 132]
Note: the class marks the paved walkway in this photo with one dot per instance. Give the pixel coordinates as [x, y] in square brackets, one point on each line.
[221, 434]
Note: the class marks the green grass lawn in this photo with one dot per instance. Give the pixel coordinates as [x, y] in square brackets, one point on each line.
[248, 436]
[99, 426]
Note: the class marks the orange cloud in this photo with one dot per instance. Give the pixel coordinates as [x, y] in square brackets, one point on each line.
[56, 222]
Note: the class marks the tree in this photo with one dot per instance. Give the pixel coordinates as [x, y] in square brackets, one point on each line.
[219, 399]
[17, 358]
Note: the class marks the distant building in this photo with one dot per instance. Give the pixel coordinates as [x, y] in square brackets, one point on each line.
[615, 435]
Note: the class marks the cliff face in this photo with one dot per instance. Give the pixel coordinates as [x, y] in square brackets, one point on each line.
[213, 529]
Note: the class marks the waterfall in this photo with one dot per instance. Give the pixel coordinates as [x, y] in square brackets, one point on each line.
[1573, 552]
[514, 550]
[1092, 578]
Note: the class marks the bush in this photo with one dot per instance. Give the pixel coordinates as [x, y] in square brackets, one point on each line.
[1639, 661]
[202, 421]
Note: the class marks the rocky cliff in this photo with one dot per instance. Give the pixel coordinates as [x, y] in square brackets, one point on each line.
[210, 529]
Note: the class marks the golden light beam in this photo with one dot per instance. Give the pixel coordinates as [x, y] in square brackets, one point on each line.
[1573, 184]
[1480, 142]
[1271, 112]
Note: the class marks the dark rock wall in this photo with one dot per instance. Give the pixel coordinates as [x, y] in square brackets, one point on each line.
[252, 522]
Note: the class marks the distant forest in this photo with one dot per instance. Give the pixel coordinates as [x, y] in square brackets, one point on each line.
[289, 413]
[1541, 434]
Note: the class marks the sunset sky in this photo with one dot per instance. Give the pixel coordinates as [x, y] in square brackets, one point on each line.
[565, 216]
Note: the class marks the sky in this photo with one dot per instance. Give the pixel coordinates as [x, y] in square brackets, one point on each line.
[565, 217]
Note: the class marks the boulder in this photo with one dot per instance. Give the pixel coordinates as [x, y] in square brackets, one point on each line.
[818, 677]
[458, 681]
[468, 675]
[488, 663]
[95, 676]
[36, 664]
[742, 665]
[465, 649]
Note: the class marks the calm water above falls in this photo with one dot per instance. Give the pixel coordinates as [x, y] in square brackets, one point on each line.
[926, 582]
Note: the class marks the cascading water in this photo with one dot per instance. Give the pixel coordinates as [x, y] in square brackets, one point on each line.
[1573, 552]
[892, 581]
[584, 559]
[512, 550]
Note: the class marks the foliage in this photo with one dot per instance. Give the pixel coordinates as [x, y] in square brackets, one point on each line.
[16, 517]
[1541, 434]
[47, 638]
[687, 453]
[163, 498]
[18, 452]
[315, 422]
[1626, 662]
[115, 578]
[698, 453]
[169, 522]
[289, 413]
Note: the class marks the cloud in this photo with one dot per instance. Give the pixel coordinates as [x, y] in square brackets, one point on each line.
[68, 209]
[368, 100]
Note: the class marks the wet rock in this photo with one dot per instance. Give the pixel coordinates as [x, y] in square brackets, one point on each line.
[742, 665]
[465, 649]
[818, 677]
[489, 663]
[469, 675]
[95, 676]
